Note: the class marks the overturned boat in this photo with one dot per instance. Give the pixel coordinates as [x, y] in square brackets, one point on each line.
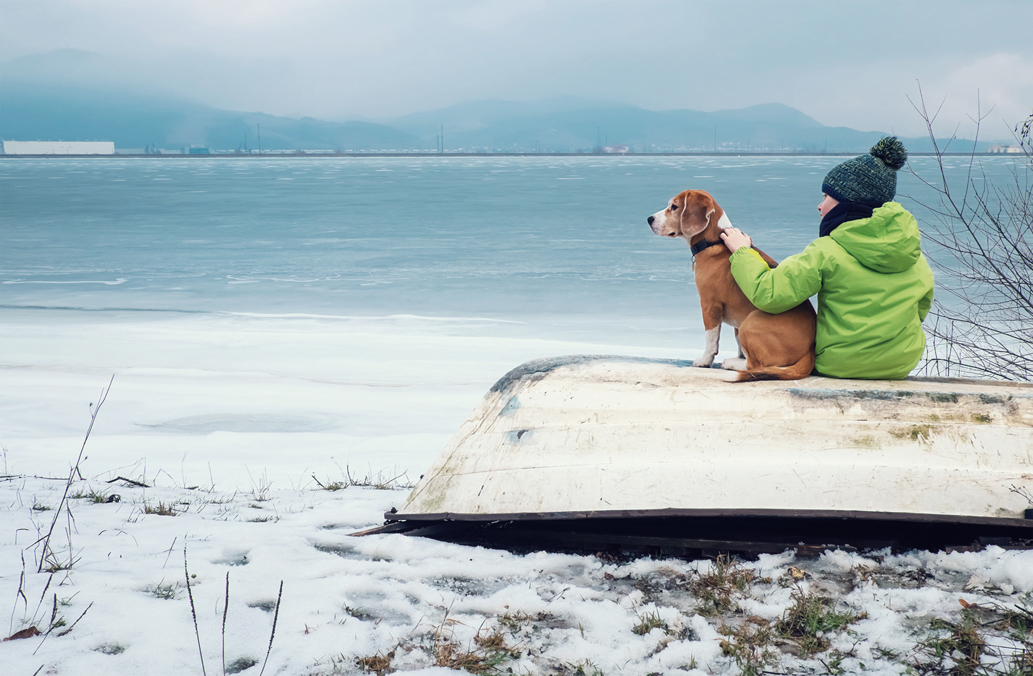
[597, 453]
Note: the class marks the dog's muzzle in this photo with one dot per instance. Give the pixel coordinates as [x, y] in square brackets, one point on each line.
[656, 221]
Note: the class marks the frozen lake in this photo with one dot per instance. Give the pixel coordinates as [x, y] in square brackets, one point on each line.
[561, 242]
[366, 303]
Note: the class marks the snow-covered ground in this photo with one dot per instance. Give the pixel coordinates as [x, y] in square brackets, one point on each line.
[238, 425]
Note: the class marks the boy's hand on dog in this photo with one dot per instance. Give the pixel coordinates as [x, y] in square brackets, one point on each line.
[735, 239]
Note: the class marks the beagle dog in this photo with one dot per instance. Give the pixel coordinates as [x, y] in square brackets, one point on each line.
[771, 347]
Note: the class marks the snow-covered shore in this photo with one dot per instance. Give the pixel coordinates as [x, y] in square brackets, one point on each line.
[415, 602]
[238, 425]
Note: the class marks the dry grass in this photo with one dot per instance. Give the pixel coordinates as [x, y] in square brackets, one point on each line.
[379, 663]
[164, 591]
[56, 566]
[957, 646]
[750, 644]
[582, 668]
[810, 618]
[970, 645]
[495, 641]
[488, 653]
[514, 621]
[717, 592]
[96, 497]
[161, 509]
[379, 481]
[648, 622]
[330, 485]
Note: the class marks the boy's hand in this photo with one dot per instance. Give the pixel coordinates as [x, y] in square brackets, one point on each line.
[735, 239]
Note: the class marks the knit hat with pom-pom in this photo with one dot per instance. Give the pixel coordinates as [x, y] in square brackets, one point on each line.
[868, 179]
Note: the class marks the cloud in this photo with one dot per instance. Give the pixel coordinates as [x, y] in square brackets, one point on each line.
[851, 64]
[1001, 85]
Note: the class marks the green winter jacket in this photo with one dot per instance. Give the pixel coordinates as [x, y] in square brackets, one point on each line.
[874, 289]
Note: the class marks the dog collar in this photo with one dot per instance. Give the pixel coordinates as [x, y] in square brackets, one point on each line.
[701, 245]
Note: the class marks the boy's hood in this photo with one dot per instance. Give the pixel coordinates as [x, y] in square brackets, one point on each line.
[887, 242]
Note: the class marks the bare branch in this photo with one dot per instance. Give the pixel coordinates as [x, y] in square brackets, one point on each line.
[94, 411]
[981, 321]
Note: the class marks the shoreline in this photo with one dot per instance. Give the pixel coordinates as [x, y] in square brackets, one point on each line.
[430, 155]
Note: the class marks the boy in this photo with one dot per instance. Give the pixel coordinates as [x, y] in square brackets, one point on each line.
[874, 285]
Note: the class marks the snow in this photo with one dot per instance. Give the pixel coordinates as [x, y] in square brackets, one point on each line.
[234, 421]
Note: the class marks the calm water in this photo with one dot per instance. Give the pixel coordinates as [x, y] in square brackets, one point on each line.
[490, 237]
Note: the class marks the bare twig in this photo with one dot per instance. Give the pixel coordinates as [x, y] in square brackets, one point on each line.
[276, 616]
[94, 410]
[43, 595]
[981, 322]
[225, 611]
[193, 611]
[65, 632]
[1022, 492]
[70, 628]
[131, 482]
[20, 595]
[169, 553]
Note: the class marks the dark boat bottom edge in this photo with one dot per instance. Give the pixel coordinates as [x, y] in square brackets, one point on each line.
[697, 536]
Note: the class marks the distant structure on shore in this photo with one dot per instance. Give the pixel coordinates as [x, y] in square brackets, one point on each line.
[59, 147]
[1005, 150]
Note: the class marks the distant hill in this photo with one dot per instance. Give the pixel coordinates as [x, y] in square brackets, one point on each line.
[71, 95]
[76, 95]
[48, 113]
[520, 127]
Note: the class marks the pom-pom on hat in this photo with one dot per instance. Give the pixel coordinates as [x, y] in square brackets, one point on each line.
[868, 179]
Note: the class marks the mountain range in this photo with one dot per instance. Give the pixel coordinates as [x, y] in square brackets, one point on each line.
[63, 96]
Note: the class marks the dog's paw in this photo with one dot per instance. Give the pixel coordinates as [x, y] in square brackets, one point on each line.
[703, 363]
[734, 364]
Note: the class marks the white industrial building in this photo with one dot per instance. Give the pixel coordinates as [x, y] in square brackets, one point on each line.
[59, 147]
[1007, 150]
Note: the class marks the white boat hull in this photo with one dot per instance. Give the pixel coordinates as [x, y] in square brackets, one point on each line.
[577, 437]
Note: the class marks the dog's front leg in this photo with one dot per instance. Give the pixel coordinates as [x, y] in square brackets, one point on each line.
[710, 351]
[712, 324]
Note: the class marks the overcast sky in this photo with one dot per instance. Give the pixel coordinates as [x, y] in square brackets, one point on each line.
[844, 62]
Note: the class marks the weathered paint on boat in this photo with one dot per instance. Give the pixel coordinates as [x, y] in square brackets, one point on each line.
[595, 436]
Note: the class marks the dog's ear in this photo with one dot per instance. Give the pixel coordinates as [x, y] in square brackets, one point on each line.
[696, 211]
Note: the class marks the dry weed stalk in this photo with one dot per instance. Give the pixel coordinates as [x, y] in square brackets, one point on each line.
[225, 611]
[272, 634]
[193, 610]
[49, 556]
[379, 481]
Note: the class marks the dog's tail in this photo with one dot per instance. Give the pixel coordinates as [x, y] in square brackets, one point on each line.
[800, 369]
